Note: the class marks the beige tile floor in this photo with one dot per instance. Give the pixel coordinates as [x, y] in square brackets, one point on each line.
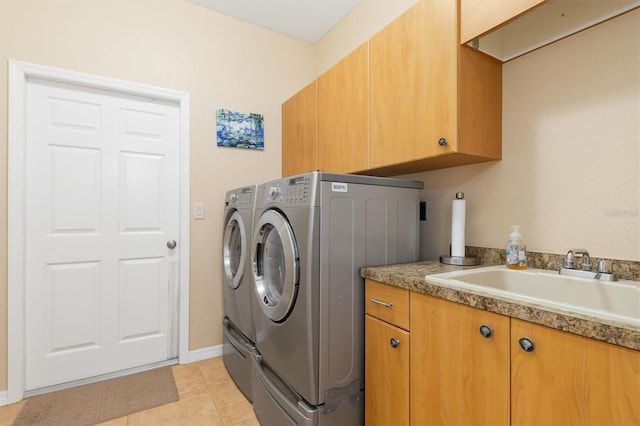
[208, 396]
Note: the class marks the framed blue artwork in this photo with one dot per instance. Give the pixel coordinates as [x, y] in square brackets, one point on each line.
[239, 130]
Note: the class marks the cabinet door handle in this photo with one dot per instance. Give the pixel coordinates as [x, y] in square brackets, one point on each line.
[526, 344]
[486, 331]
[394, 342]
[380, 302]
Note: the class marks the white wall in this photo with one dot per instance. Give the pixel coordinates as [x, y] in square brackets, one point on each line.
[220, 61]
[362, 22]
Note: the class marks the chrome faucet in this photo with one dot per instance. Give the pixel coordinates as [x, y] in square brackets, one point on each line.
[570, 259]
[604, 270]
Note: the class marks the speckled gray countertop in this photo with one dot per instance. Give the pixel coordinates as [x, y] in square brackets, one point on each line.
[412, 276]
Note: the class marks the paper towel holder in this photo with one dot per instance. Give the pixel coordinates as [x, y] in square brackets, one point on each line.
[459, 260]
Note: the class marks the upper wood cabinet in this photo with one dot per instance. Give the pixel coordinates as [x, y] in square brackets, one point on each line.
[299, 132]
[567, 379]
[478, 17]
[433, 103]
[410, 99]
[413, 85]
[343, 113]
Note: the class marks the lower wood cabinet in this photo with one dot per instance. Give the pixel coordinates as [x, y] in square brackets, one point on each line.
[460, 365]
[386, 374]
[386, 357]
[568, 379]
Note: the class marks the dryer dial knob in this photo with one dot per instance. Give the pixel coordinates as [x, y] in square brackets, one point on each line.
[233, 198]
[274, 191]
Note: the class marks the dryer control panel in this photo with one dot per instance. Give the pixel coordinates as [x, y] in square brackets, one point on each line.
[296, 191]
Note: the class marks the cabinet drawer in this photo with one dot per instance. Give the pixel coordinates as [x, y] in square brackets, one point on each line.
[388, 303]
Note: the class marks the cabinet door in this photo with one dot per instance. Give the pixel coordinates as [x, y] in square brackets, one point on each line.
[343, 112]
[299, 132]
[413, 65]
[386, 374]
[458, 376]
[479, 105]
[572, 380]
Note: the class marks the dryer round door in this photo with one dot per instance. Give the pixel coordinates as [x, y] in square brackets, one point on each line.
[275, 265]
[234, 246]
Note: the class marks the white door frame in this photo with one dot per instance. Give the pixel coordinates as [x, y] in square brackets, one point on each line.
[19, 72]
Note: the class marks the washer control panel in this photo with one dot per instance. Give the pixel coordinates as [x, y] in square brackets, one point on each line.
[241, 198]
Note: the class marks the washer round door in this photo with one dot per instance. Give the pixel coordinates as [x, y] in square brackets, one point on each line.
[234, 245]
[275, 265]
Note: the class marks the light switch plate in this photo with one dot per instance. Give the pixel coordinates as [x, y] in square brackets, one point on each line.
[198, 210]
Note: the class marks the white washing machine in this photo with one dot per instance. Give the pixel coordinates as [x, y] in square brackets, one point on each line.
[312, 234]
[238, 330]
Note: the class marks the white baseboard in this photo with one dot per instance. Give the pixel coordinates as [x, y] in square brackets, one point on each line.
[3, 398]
[205, 353]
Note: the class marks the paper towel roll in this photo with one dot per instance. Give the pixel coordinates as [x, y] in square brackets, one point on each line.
[458, 218]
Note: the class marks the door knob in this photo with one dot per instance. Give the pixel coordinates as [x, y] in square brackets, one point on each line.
[172, 244]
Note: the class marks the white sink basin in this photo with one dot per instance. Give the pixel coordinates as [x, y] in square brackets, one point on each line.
[610, 300]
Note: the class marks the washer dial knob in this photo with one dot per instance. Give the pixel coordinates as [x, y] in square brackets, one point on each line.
[274, 192]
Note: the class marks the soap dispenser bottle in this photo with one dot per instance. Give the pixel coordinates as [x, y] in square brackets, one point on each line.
[516, 250]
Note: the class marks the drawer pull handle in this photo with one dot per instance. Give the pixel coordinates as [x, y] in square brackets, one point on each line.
[394, 342]
[380, 302]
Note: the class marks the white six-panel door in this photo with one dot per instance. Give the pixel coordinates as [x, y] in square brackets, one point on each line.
[102, 201]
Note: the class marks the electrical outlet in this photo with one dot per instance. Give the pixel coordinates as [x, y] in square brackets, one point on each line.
[423, 210]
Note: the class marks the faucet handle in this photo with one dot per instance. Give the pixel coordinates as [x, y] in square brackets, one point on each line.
[569, 261]
[605, 266]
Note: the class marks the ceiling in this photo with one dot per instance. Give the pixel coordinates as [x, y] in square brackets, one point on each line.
[306, 20]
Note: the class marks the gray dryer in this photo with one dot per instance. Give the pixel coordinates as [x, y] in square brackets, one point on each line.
[312, 234]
